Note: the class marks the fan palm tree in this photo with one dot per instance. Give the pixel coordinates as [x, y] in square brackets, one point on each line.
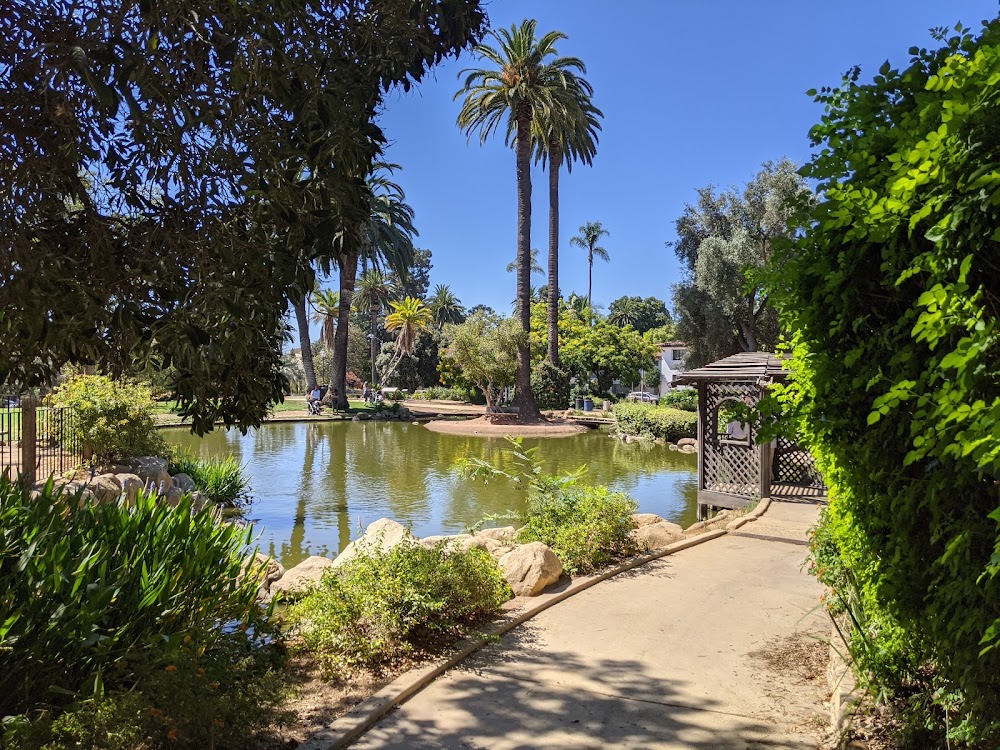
[372, 294]
[446, 307]
[409, 318]
[386, 238]
[522, 84]
[590, 234]
[566, 133]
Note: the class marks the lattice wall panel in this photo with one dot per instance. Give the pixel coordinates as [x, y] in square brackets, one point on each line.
[793, 465]
[730, 466]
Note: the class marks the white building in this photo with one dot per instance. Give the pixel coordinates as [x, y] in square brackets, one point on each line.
[670, 363]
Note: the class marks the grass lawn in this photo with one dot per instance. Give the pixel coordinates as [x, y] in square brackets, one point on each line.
[165, 412]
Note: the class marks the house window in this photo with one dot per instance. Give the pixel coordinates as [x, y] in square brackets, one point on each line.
[677, 355]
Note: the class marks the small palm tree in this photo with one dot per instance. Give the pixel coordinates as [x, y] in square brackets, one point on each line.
[536, 267]
[446, 307]
[326, 304]
[372, 295]
[626, 312]
[522, 85]
[409, 318]
[590, 234]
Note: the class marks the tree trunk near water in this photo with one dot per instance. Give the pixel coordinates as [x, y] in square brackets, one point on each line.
[305, 344]
[524, 398]
[338, 373]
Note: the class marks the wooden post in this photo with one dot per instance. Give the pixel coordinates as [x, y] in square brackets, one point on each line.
[29, 439]
[766, 454]
[702, 444]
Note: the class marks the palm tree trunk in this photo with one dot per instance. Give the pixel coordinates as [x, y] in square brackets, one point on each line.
[590, 277]
[338, 372]
[555, 163]
[306, 345]
[373, 311]
[524, 398]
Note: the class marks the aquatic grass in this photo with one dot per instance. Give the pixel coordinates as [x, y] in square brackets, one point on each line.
[223, 479]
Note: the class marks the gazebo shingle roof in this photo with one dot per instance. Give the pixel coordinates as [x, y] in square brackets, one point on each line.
[746, 367]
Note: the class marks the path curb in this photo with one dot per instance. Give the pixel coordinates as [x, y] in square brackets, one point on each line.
[344, 730]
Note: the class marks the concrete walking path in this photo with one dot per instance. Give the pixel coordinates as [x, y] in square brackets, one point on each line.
[717, 647]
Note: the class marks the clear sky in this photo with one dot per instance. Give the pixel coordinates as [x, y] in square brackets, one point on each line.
[693, 92]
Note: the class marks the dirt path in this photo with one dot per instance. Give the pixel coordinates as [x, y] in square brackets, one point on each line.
[485, 428]
[717, 647]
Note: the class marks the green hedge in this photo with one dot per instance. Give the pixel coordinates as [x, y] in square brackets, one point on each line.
[655, 421]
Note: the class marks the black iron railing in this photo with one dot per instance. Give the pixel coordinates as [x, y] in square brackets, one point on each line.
[36, 441]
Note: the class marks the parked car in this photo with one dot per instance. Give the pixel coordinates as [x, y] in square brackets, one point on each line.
[646, 398]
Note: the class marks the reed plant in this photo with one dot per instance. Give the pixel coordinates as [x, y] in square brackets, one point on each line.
[223, 479]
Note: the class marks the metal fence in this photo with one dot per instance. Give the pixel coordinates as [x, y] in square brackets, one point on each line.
[36, 441]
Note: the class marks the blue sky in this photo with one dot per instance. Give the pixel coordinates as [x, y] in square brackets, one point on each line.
[693, 92]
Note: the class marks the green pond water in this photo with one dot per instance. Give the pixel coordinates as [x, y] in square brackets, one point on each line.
[315, 484]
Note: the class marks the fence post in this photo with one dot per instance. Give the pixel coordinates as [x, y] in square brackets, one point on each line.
[29, 438]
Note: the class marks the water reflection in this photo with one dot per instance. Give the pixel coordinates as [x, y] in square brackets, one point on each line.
[315, 483]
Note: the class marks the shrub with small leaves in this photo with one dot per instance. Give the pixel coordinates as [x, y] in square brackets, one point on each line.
[655, 421]
[114, 418]
[385, 605]
[550, 385]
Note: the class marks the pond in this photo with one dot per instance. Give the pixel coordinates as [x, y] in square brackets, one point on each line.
[315, 484]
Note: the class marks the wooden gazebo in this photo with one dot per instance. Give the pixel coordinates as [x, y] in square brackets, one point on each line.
[734, 468]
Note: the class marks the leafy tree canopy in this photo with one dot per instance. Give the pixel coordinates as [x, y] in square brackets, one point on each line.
[892, 298]
[641, 314]
[170, 169]
[723, 242]
[483, 350]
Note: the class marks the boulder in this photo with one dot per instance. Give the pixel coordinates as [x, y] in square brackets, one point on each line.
[672, 447]
[298, 580]
[688, 449]
[383, 534]
[499, 534]
[152, 469]
[106, 487]
[356, 418]
[687, 441]
[171, 495]
[199, 500]
[454, 539]
[530, 568]
[131, 484]
[495, 548]
[183, 482]
[657, 535]
[645, 519]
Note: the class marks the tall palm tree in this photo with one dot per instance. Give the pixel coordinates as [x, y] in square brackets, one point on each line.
[590, 234]
[387, 237]
[446, 307]
[373, 292]
[522, 84]
[409, 318]
[569, 133]
[326, 308]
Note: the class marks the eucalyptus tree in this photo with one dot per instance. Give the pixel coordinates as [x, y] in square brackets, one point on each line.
[446, 307]
[589, 235]
[523, 82]
[565, 133]
[373, 293]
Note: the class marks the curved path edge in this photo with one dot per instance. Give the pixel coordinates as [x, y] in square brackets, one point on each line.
[344, 730]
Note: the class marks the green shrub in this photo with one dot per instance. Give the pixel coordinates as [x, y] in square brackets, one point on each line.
[440, 393]
[114, 418]
[587, 527]
[94, 596]
[380, 607]
[685, 399]
[551, 385]
[655, 421]
[222, 479]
